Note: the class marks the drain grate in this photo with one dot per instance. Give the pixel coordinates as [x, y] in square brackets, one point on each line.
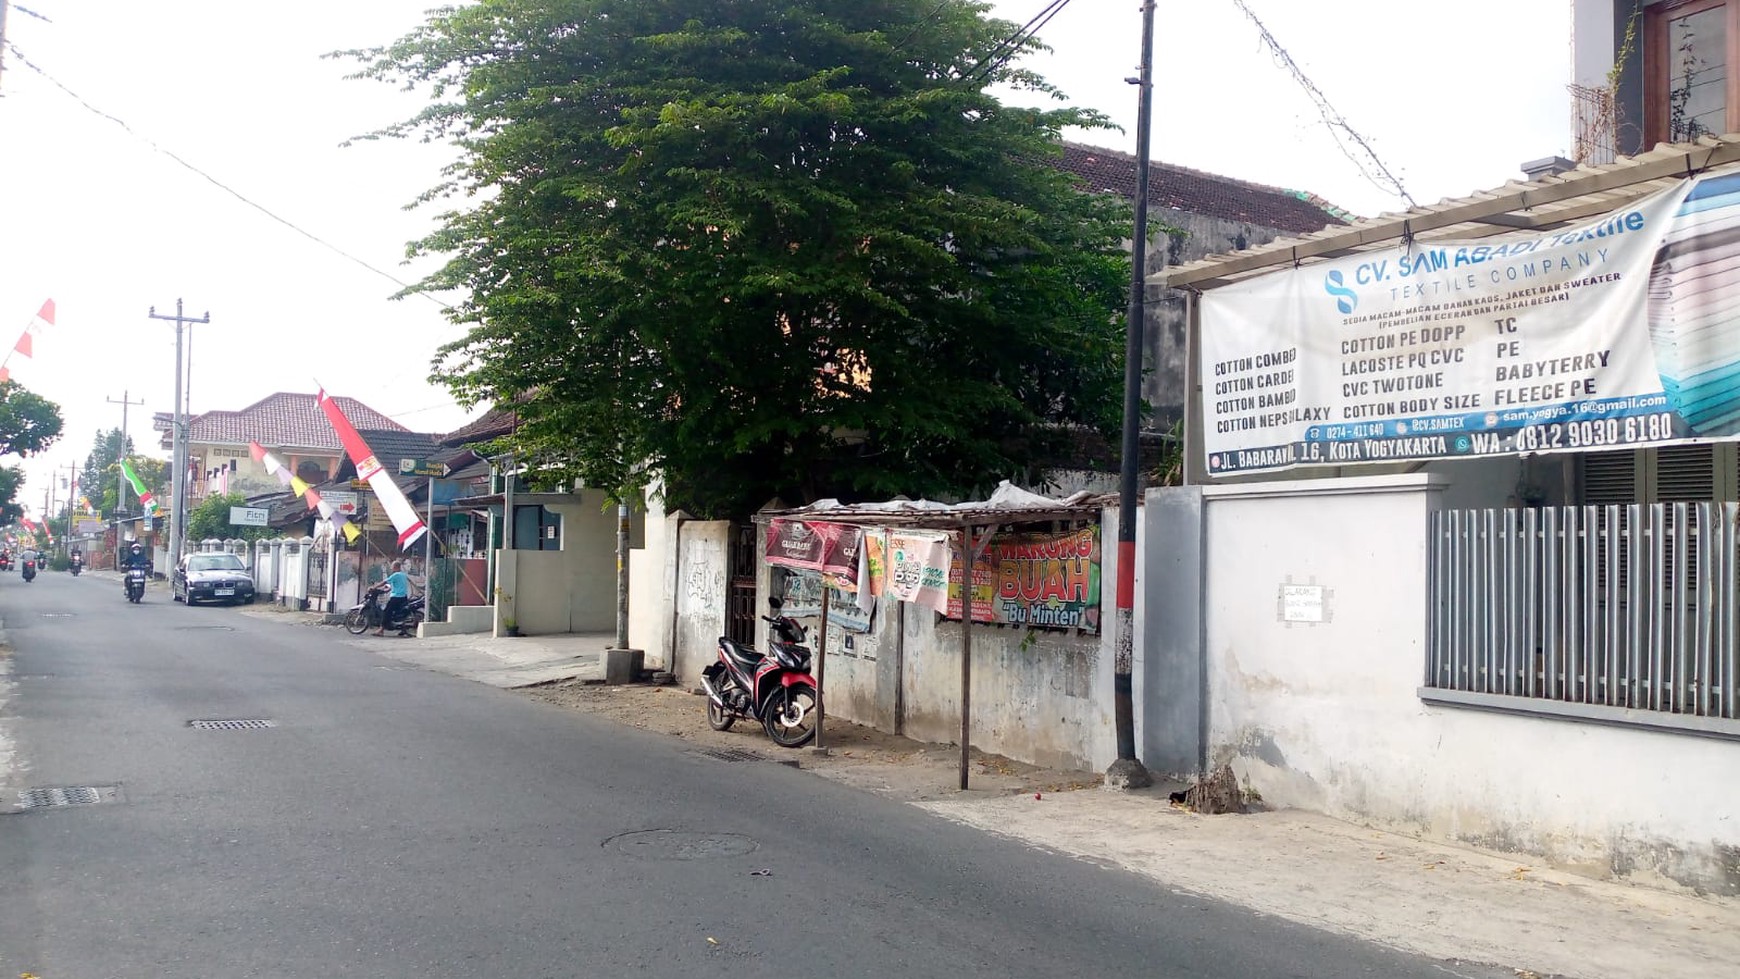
[77, 795]
[231, 725]
[731, 754]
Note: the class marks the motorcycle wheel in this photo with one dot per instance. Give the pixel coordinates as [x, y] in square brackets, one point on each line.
[791, 716]
[718, 718]
[357, 622]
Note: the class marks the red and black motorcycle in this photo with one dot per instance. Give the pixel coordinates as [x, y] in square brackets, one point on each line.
[775, 689]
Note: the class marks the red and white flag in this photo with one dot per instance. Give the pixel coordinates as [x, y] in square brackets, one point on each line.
[25, 345]
[392, 499]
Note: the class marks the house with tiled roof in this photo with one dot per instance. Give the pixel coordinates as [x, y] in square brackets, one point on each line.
[1191, 214]
[290, 425]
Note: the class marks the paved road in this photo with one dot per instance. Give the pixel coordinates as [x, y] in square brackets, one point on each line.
[402, 823]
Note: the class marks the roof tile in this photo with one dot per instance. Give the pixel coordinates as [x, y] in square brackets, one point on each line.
[1197, 192]
[284, 419]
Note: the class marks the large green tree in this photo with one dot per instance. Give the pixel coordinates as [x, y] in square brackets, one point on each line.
[211, 519]
[29, 423]
[764, 247]
[100, 480]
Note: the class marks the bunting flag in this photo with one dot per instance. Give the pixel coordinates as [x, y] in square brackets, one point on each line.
[303, 490]
[25, 345]
[392, 499]
[146, 500]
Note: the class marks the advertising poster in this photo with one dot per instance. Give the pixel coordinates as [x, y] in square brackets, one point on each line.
[1622, 330]
[1041, 581]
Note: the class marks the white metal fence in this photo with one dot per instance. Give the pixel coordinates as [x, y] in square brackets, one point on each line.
[1624, 606]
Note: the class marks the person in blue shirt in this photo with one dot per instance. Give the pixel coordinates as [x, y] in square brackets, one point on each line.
[398, 586]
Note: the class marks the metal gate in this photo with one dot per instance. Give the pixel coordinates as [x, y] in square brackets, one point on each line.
[316, 584]
[1626, 606]
[740, 596]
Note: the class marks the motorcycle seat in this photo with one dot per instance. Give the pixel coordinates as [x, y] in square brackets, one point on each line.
[744, 655]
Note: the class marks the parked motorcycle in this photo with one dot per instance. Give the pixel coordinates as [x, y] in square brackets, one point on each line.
[775, 689]
[135, 585]
[29, 571]
[366, 614]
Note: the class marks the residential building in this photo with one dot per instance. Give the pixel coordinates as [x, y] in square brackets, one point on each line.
[290, 425]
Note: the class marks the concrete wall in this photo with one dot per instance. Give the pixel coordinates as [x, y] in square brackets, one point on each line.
[700, 594]
[1327, 716]
[651, 585]
[1039, 696]
[570, 590]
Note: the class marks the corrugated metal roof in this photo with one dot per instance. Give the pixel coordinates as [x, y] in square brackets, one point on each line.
[1534, 205]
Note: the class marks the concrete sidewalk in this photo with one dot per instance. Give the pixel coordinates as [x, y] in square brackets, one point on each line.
[507, 663]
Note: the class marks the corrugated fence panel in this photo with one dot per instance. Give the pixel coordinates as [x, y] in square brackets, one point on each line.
[1631, 606]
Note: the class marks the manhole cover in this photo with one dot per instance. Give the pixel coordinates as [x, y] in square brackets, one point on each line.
[731, 754]
[230, 725]
[204, 628]
[76, 795]
[57, 615]
[673, 844]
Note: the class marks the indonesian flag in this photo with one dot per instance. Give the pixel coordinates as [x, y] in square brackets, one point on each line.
[302, 489]
[146, 500]
[399, 509]
[25, 345]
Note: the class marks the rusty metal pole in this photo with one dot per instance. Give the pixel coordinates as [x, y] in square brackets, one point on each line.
[966, 652]
[821, 659]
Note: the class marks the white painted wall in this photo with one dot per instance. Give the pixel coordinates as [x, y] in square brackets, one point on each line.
[1327, 716]
[651, 586]
[700, 595]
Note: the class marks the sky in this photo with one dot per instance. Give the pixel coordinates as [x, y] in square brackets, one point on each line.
[97, 214]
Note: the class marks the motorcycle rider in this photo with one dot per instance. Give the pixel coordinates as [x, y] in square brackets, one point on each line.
[135, 557]
[398, 586]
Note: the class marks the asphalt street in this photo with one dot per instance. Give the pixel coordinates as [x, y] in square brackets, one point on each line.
[394, 822]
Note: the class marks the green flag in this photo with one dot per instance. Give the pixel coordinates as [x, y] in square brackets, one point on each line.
[146, 500]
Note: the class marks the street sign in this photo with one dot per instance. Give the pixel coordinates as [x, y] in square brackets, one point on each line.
[249, 516]
[342, 501]
[359, 484]
[422, 467]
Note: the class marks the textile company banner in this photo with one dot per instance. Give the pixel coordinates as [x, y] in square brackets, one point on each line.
[1045, 581]
[1621, 331]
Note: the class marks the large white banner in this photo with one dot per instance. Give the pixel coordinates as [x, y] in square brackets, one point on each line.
[1621, 331]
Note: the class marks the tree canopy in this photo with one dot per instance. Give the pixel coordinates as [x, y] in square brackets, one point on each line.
[100, 478]
[29, 423]
[211, 519]
[763, 247]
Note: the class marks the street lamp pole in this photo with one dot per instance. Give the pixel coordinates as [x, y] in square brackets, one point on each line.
[178, 479]
[1128, 771]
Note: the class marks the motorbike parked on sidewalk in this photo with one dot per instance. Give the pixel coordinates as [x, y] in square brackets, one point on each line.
[775, 689]
[134, 584]
[29, 571]
[366, 614]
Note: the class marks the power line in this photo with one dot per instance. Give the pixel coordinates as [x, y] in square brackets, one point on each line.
[226, 188]
[1011, 45]
[1338, 125]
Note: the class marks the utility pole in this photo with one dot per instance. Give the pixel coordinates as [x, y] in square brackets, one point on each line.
[1128, 771]
[126, 439]
[3, 5]
[178, 480]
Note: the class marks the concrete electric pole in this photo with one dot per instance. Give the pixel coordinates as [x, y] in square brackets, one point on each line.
[126, 442]
[178, 479]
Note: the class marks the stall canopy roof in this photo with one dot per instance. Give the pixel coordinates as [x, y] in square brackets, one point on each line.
[1010, 504]
[1544, 204]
